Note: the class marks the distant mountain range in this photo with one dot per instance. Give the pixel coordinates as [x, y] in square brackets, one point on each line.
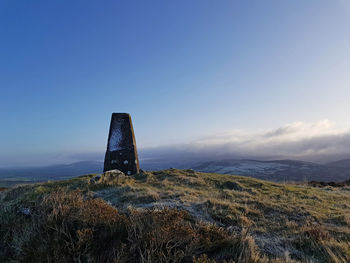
[16, 175]
[277, 170]
[341, 164]
[280, 170]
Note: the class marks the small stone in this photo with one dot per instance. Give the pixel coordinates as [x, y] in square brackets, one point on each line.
[92, 181]
[97, 177]
[25, 211]
[113, 173]
[111, 176]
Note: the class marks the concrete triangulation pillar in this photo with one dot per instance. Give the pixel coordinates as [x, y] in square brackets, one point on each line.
[121, 151]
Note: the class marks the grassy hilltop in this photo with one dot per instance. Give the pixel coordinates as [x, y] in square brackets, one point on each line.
[174, 216]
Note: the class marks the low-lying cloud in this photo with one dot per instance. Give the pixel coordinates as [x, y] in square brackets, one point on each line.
[319, 141]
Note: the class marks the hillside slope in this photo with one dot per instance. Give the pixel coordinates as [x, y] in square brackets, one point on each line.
[174, 216]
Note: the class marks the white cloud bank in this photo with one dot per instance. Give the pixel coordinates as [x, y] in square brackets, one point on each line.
[320, 141]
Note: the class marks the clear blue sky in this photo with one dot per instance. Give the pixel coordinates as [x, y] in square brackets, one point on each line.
[183, 69]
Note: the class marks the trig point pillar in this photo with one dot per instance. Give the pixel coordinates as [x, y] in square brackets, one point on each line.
[121, 151]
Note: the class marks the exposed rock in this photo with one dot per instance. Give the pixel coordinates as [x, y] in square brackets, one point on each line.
[114, 173]
[112, 176]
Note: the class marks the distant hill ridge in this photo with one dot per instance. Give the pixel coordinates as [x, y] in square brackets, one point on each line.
[342, 163]
[277, 170]
[274, 170]
[53, 172]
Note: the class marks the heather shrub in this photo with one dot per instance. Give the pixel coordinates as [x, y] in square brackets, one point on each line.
[164, 217]
[170, 235]
[68, 226]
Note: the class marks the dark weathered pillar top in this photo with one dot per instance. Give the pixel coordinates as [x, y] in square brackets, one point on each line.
[121, 151]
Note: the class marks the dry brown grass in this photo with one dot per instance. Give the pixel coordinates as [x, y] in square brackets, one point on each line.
[68, 226]
[174, 216]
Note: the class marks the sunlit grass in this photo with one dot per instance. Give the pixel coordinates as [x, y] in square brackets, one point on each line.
[275, 222]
